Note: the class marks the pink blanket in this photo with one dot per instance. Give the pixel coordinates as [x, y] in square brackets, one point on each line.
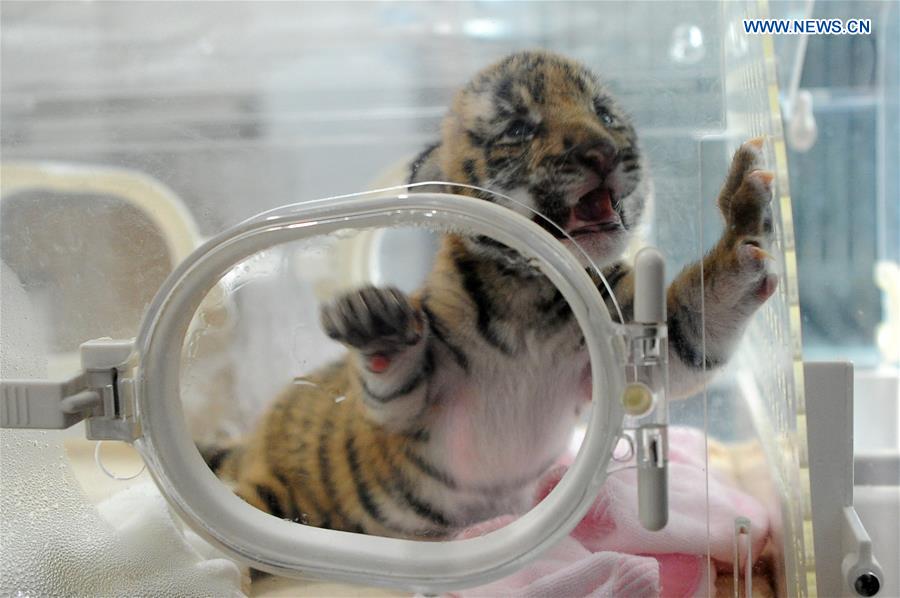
[610, 554]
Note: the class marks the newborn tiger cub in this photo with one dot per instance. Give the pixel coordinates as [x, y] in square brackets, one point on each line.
[458, 397]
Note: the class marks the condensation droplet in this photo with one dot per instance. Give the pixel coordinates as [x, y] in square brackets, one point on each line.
[687, 45]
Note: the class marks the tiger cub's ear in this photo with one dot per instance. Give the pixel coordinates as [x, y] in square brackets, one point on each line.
[426, 167]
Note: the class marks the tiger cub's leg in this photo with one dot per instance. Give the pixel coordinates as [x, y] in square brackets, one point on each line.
[737, 275]
[245, 468]
[716, 296]
[387, 337]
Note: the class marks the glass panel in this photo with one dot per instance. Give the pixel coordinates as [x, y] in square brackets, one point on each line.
[91, 262]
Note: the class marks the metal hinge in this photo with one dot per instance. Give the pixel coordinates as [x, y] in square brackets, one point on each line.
[102, 395]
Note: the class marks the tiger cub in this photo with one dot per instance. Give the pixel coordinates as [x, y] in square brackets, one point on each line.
[452, 401]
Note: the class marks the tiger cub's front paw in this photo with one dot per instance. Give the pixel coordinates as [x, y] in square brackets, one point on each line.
[378, 322]
[746, 204]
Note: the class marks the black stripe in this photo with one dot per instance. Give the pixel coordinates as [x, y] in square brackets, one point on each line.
[626, 306]
[214, 457]
[490, 242]
[689, 354]
[300, 494]
[557, 310]
[429, 469]
[399, 488]
[552, 302]
[326, 434]
[475, 139]
[614, 276]
[420, 435]
[307, 500]
[497, 164]
[507, 172]
[428, 511]
[304, 492]
[364, 494]
[485, 195]
[506, 270]
[579, 83]
[475, 288]
[412, 384]
[562, 315]
[469, 170]
[428, 366]
[294, 510]
[267, 495]
[300, 499]
[362, 489]
[536, 86]
[503, 91]
[324, 460]
[437, 328]
[510, 255]
[422, 508]
[420, 160]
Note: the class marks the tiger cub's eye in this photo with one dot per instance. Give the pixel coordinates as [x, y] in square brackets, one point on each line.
[603, 113]
[518, 131]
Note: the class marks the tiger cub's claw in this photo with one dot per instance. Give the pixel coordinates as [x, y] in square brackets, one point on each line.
[378, 322]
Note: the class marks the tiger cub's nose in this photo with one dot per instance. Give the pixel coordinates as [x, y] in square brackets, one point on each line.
[598, 154]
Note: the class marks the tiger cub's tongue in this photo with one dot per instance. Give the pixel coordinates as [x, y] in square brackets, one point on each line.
[595, 206]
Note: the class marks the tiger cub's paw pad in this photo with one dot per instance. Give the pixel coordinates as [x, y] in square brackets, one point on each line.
[376, 321]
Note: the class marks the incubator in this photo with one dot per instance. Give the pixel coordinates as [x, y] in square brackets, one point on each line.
[185, 186]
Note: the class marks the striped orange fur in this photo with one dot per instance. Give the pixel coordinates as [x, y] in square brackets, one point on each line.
[452, 402]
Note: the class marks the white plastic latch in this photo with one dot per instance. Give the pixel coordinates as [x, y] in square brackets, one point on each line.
[45, 405]
[102, 394]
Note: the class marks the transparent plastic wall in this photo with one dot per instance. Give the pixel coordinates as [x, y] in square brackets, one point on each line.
[769, 369]
[235, 108]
